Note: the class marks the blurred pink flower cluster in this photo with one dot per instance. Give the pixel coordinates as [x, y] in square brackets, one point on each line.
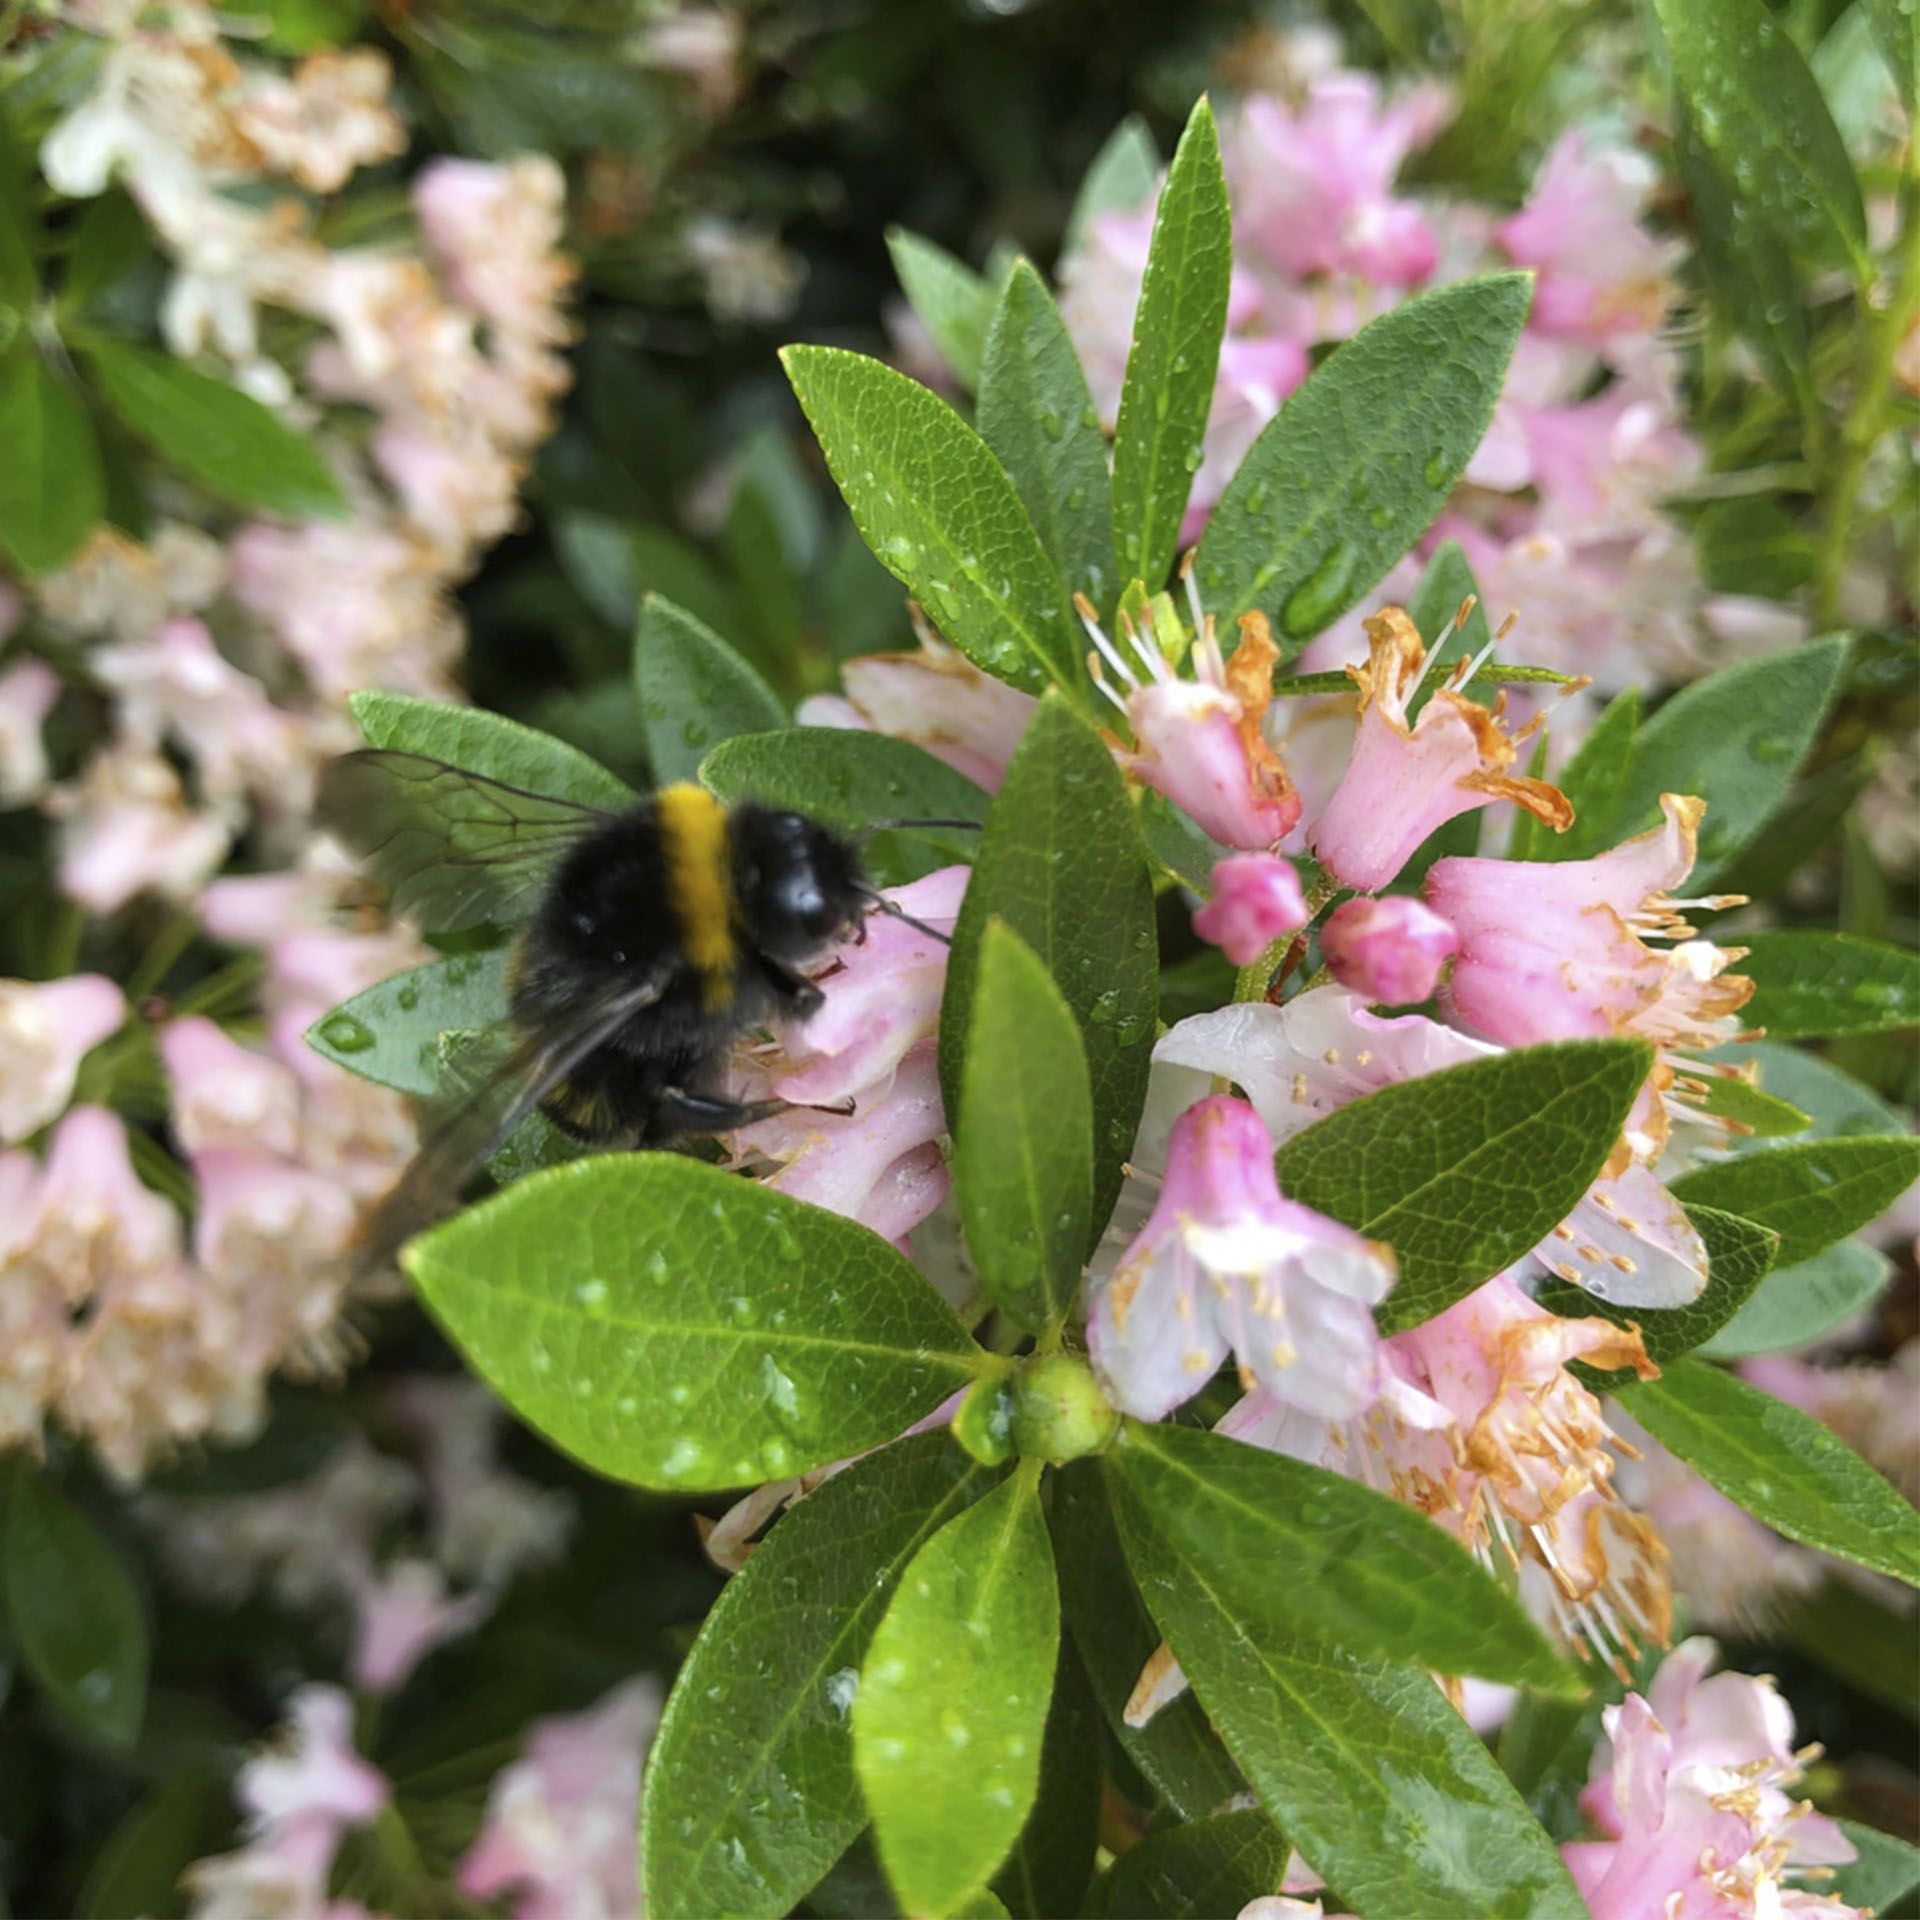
[206, 670]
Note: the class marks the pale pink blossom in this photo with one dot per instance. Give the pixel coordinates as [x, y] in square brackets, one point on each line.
[1226, 1264]
[495, 230]
[224, 1094]
[28, 690]
[703, 45]
[559, 1834]
[126, 829]
[46, 1030]
[1389, 951]
[1256, 898]
[402, 1614]
[325, 120]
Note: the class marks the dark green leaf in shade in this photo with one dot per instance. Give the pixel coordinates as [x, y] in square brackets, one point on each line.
[1809, 984]
[951, 301]
[1177, 329]
[750, 1794]
[694, 690]
[1061, 863]
[1896, 26]
[1780, 1464]
[676, 1326]
[1307, 1552]
[141, 1862]
[215, 434]
[1461, 1172]
[110, 239]
[1592, 780]
[1811, 1192]
[52, 491]
[1052, 1861]
[1864, 1639]
[849, 780]
[1794, 1306]
[1120, 180]
[1369, 1770]
[1357, 465]
[1023, 1153]
[952, 1705]
[1888, 1868]
[390, 1032]
[72, 1615]
[1039, 419]
[1197, 1871]
[941, 515]
[1545, 1749]
[19, 275]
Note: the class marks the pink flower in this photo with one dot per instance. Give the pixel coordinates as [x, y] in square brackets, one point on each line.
[1391, 951]
[46, 1030]
[226, 1095]
[1255, 375]
[1198, 741]
[496, 230]
[1256, 898]
[95, 1222]
[1689, 1790]
[560, 1823]
[401, 1615]
[1604, 466]
[1225, 1263]
[1408, 778]
[127, 829]
[28, 689]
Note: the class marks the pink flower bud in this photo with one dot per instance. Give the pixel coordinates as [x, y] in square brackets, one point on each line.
[1256, 898]
[1391, 950]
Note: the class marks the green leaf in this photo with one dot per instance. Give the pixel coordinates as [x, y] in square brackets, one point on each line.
[390, 1032]
[1463, 1171]
[1897, 29]
[750, 1794]
[110, 239]
[141, 1863]
[1888, 1868]
[1051, 1863]
[1545, 1749]
[1197, 1871]
[952, 1706]
[694, 691]
[489, 744]
[72, 1614]
[847, 781]
[1797, 1305]
[1754, 1114]
[19, 276]
[1023, 1154]
[1838, 1105]
[1778, 1463]
[1444, 587]
[1759, 112]
[1305, 1552]
[1357, 464]
[52, 490]
[676, 1326]
[1177, 328]
[1739, 1256]
[1811, 1193]
[1371, 1773]
[1120, 180]
[941, 515]
[1593, 780]
[216, 435]
[1039, 419]
[1810, 984]
[953, 303]
[1735, 739]
[1061, 863]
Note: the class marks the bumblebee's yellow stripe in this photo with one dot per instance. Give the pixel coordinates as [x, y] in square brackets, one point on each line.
[693, 836]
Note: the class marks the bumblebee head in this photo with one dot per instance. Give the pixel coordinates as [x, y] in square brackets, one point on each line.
[799, 887]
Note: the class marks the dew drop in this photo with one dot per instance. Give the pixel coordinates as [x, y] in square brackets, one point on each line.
[342, 1033]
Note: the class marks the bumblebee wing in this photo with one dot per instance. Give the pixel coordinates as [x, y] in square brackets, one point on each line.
[455, 848]
[487, 1111]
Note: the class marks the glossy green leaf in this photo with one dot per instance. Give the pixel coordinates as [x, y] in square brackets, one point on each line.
[1039, 419]
[1754, 1115]
[1779, 1463]
[676, 1326]
[1739, 1256]
[1120, 180]
[212, 432]
[1052, 1861]
[1023, 1153]
[1463, 1171]
[848, 781]
[1809, 984]
[1797, 1305]
[72, 1615]
[1735, 739]
[1061, 863]
[952, 1705]
[1177, 328]
[694, 690]
[1811, 1192]
[951, 301]
[489, 744]
[1759, 112]
[1593, 781]
[1887, 1870]
[1836, 1103]
[52, 491]
[1369, 1770]
[390, 1032]
[750, 1792]
[1546, 1748]
[941, 515]
[1357, 464]
[1197, 1871]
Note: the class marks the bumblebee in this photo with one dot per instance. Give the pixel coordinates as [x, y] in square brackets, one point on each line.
[651, 940]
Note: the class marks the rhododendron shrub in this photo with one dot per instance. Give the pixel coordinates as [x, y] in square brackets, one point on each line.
[1342, 1206]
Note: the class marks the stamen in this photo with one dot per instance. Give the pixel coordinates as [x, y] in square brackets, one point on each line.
[1097, 634]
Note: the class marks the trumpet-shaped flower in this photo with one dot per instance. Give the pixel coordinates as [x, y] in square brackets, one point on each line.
[1408, 777]
[28, 690]
[1389, 951]
[1256, 898]
[1226, 1264]
[46, 1030]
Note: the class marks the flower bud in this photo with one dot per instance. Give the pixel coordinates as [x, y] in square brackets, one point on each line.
[1390, 950]
[1059, 1412]
[1256, 898]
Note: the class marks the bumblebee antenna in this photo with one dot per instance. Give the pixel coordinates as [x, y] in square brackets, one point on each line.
[879, 903]
[886, 826]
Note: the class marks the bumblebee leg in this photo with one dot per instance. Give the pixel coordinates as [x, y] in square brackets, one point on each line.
[798, 996]
[677, 1111]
